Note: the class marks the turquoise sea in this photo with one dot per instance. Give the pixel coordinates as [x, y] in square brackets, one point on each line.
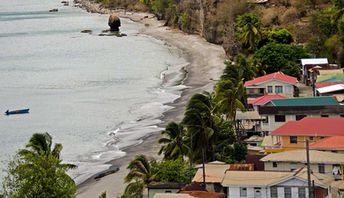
[94, 94]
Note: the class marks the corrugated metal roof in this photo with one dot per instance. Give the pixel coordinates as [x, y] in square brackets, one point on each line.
[213, 173]
[267, 98]
[280, 76]
[299, 155]
[314, 61]
[253, 178]
[308, 101]
[329, 143]
[312, 126]
[331, 88]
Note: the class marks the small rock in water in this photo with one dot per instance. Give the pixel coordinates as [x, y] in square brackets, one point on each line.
[87, 31]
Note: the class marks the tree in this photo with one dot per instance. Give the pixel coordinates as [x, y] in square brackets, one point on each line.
[134, 190]
[275, 57]
[38, 171]
[177, 171]
[198, 120]
[248, 30]
[240, 69]
[228, 98]
[140, 170]
[174, 140]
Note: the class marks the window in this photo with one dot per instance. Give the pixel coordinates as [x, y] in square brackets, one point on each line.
[342, 115]
[243, 192]
[273, 192]
[269, 89]
[266, 120]
[168, 191]
[302, 192]
[257, 192]
[311, 138]
[299, 117]
[324, 116]
[293, 166]
[279, 118]
[293, 139]
[278, 89]
[321, 168]
[287, 192]
[274, 164]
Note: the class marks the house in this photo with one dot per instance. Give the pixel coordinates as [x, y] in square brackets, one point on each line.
[333, 144]
[309, 63]
[293, 134]
[255, 103]
[213, 176]
[248, 123]
[169, 195]
[278, 112]
[169, 187]
[320, 161]
[268, 184]
[275, 83]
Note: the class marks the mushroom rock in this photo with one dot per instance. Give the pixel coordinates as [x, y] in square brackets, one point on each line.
[114, 23]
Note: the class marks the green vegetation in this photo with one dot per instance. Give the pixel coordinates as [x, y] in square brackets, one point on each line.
[38, 171]
[144, 171]
[248, 30]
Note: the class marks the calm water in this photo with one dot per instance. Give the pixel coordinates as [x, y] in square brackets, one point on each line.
[93, 94]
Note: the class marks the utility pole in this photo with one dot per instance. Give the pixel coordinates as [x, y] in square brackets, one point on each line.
[203, 159]
[310, 192]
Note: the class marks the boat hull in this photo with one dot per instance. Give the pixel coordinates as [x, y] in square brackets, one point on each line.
[21, 111]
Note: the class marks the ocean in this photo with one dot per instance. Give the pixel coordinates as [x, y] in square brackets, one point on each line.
[94, 94]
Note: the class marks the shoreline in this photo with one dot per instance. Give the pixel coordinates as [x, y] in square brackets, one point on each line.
[204, 68]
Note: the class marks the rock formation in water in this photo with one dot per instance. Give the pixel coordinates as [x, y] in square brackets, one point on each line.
[114, 23]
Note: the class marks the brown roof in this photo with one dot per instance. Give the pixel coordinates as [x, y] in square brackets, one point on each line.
[329, 143]
[204, 194]
[299, 155]
[213, 173]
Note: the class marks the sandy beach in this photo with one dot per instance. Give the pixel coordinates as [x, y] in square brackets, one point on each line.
[206, 66]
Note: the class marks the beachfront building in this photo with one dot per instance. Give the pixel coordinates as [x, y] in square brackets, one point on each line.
[294, 134]
[320, 161]
[268, 184]
[275, 83]
[277, 112]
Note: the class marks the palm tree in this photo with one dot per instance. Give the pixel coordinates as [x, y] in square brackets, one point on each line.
[198, 120]
[228, 98]
[40, 144]
[38, 171]
[248, 30]
[133, 190]
[175, 146]
[140, 170]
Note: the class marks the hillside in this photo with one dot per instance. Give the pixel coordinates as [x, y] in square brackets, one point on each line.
[214, 19]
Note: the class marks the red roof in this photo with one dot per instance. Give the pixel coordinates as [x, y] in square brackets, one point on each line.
[265, 99]
[274, 76]
[313, 126]
[329, 143]
[326, 84]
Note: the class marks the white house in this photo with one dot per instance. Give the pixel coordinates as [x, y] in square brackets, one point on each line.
[275, 83]
[264, 184]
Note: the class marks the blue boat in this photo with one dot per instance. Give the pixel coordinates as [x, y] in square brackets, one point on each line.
[20, 111]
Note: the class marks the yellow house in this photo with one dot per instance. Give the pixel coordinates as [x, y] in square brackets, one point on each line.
[293, 134]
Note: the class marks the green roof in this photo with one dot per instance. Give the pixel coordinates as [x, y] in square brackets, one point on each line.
[331, 78]
[309, 101]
